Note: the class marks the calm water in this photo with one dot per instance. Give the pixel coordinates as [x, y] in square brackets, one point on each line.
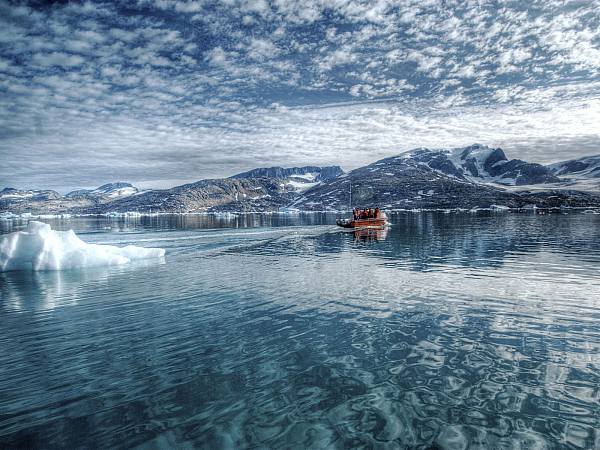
[452, 331]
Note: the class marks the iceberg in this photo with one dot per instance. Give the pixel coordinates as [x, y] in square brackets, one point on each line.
[41, 248]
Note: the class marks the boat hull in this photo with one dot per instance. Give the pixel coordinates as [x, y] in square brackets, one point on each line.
[363, 223]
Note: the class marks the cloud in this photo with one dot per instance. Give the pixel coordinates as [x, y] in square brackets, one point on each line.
[182, 89]
[57, 59]
[336, 58]
[188, 7]
[217, 57]
[260, 49]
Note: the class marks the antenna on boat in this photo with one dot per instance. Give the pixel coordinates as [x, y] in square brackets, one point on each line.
[350, 204]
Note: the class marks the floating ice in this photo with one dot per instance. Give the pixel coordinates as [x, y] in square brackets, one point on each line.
[41, 248]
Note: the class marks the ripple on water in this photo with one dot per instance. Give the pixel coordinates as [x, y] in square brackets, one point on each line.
[452, 332]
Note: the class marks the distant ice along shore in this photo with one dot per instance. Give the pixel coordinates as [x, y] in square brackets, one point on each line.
[24, 217]
[41, 248]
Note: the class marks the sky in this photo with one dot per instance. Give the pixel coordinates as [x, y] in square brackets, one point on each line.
[162, 92]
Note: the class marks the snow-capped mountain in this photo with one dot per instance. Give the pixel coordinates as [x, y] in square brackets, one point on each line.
[118, 189]
[314, 173]
[481, 164]
[582, 174]
[460, 178]
[47, 201]
[587, 167]
[110, 190]
[297, 178]
[12, 194]
[470, 177]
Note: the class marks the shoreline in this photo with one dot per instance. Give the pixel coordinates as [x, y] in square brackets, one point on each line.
[8, 216]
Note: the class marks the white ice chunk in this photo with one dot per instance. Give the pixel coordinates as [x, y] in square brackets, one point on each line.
[41, 248]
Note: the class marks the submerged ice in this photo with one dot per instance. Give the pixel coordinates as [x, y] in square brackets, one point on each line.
[41, 248]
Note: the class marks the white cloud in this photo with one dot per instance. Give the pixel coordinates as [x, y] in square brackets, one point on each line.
[217, 57]
[123, 35]
[78, 46]
[336, 58]
[189, 6]
[57, 59]
[194, 75]
[260, 49]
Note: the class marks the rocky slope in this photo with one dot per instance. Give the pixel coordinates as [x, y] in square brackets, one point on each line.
[263, 189]
[424, 179]
[588, 167]
[106, 191]
[252, 194]
[51, 202]
[581, 174]
[313, 173]
[475, 176]
[16, 195]
[479, 163]
[298, 179]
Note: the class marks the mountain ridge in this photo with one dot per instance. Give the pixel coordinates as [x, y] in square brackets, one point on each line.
[319, 173]
[470, 177]
[480, 162]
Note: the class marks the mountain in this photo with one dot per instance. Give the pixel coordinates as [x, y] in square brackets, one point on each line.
[312, 173]
[239, 193]
[587, 167]
[228, 194]
[423, 178]
[480, 163]
[110, 190]
[470, 177]
[581, 174]
[298, 178]
[51, 202]
[16, 195]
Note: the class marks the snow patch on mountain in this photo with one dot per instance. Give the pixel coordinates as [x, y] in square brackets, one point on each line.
[587, 167]
[480, 164]
[12, 194]
[298, 179]
[110, 190]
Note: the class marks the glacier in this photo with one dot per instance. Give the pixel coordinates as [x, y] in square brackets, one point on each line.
[40, 247]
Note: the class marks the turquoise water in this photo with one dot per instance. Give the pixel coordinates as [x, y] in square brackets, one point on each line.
[449, 331]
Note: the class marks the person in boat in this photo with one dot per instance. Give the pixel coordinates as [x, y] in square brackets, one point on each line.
[377, 213]
[356, 213]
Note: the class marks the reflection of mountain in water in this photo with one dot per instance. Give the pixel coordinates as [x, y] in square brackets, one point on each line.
[431, 240]
[434, 240]
[304, 336]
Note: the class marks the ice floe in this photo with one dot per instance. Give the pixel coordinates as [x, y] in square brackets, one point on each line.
[41, 248]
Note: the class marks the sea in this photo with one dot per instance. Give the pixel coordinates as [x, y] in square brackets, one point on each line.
[447, 330]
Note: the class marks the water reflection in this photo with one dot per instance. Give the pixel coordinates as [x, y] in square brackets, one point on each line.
[370, 234]
[104, 224]
[45, 290]
[447, 332]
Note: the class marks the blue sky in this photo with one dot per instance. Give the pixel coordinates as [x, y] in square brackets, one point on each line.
[163, 92]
